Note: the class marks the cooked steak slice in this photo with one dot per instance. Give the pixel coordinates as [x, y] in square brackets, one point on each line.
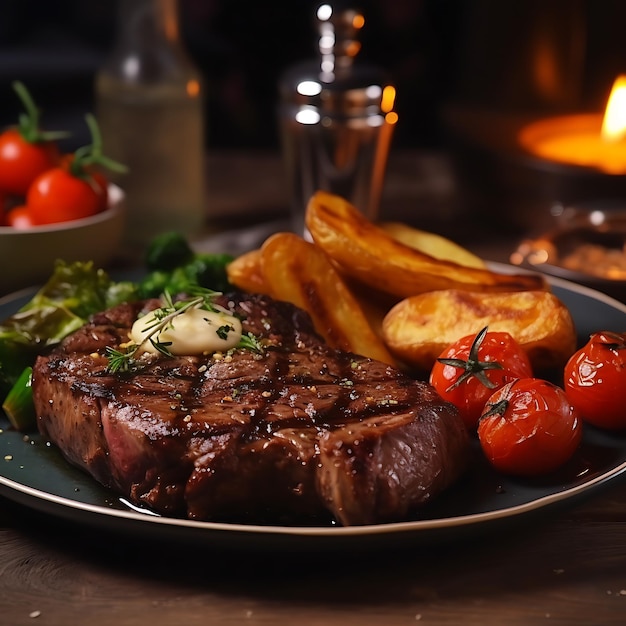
[299, 432]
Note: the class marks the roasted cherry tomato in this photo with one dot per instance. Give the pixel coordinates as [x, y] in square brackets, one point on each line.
[529, 428]
[20, 218]
[595, 380]
[473, 367]
[25, 150]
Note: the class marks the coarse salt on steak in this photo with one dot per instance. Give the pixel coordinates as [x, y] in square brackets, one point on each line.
[297, 432]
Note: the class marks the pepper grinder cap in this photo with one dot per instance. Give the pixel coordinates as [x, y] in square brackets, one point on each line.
[336, 83]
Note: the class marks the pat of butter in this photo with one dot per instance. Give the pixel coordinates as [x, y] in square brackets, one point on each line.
[195, 331]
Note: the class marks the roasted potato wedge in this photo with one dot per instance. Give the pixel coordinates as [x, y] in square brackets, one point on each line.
[374, 304]
[299, 272]
[365, 252]
[419, 328]
[246, 274]
[432, 244]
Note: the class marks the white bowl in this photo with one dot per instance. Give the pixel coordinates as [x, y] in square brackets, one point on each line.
[27, 256]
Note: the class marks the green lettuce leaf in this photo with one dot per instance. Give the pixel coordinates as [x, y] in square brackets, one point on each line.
[73, 292]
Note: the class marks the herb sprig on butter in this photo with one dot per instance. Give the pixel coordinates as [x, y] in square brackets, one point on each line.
[195, 325]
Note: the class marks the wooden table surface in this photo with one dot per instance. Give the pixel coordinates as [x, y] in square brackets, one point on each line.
[564, 568]
[565, 565]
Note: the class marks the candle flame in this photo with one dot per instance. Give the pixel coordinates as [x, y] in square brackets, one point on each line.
[614, 122]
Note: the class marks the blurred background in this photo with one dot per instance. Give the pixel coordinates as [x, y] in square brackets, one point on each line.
[534, 56]
[470, 74]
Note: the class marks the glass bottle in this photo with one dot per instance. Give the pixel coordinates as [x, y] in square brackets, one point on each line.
[149, 105]
[336, 119]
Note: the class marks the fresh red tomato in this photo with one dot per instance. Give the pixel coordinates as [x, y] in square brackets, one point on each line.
[473, 367]
[100, 185]
[21, 161]
[595, 380]
[77, 188]
[20, 218]
[57, 195]
[26, 151]
[529, 428]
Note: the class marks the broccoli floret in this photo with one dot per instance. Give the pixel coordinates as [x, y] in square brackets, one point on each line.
[203, 270]
[209, 270]
[172, 265]
[168, 251]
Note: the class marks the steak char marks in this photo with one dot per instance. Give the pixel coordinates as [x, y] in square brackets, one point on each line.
[296, 433]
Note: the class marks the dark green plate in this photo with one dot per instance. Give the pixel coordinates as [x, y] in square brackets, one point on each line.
[34, 474]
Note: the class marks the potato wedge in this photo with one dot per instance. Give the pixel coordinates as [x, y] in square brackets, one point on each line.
[246, 274]
[364, 251]
[418, 329]
[374, 304]
[432, 244]
[299, 272]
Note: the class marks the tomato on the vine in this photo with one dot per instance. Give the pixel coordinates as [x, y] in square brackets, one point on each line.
[472, 368]
[529, 428]
[594, 379]
[57, 195]
[21, 161]
[75, 189]
[25, 150]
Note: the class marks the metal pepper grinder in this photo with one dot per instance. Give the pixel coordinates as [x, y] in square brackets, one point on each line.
[336, 120]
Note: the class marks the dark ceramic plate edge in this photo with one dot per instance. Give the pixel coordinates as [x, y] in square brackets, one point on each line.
[76, 497]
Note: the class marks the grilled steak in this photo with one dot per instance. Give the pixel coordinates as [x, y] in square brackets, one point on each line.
[298, 432]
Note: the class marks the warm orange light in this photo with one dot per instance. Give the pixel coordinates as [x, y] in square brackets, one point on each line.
[171, 19]
[353, 48]
[391, 118]
[388, 98]
[193, 88]
[358, 21]
[587, 139]
[614, 122]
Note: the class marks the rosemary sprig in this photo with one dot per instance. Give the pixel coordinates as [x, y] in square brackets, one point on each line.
[124, 360]
[120, 361]
[250, 342]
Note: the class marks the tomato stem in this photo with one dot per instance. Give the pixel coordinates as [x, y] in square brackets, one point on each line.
[92, 154]
[499, 408]
[473, 366]
[28, 121]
